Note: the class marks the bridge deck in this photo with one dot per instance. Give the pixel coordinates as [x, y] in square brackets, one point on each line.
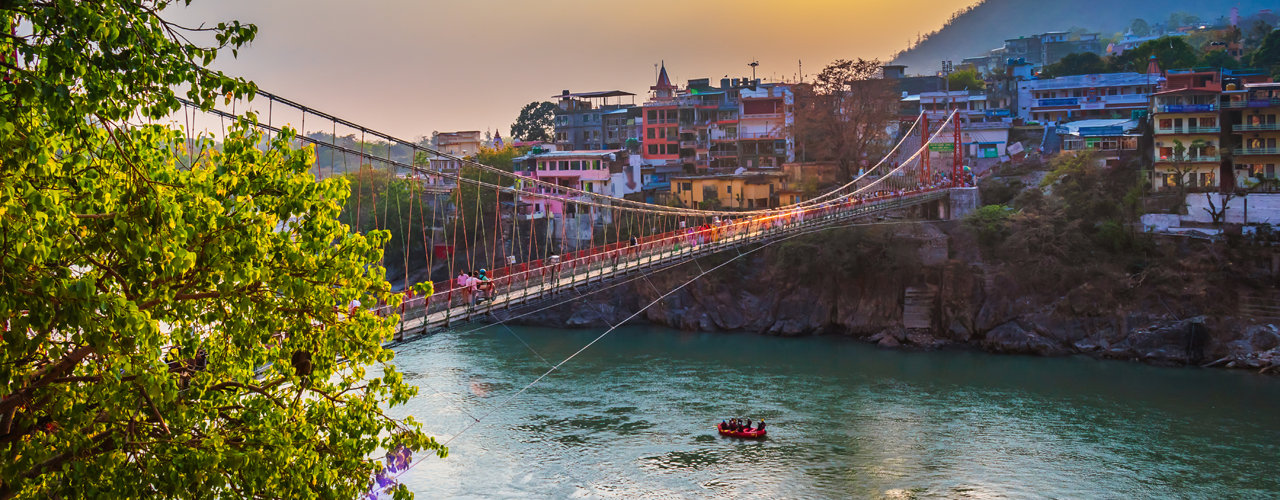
[420, 315]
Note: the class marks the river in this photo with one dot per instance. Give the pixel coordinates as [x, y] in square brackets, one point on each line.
[632, 418]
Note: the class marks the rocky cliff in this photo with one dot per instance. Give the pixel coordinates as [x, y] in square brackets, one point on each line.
[921, 287]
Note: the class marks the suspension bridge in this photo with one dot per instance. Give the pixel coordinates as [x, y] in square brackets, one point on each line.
[657, 236]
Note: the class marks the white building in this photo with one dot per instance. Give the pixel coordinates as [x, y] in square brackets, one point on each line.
[1105, 96]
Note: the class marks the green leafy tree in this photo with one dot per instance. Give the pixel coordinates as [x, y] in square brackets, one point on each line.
[1257, 32]
[1081, 63]
[1179, 19]
[173, 328]
[401, 206]
[1140, 28]
[1219, 59]
[535, 122]
[478, 206]
[1268, 54]
[966, 79]
[1171, 51]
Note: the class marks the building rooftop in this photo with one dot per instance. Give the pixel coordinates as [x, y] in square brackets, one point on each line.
[1098, 128]
[749, 176]
[592, 153]
[594, 95]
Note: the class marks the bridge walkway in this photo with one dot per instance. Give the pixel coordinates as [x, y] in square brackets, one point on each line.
[521, 285]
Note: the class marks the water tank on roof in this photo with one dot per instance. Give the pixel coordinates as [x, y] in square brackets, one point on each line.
[1231, 86]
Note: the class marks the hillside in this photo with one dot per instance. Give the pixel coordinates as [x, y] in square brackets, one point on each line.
[990, 22]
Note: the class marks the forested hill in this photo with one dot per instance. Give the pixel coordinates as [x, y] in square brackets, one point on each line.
[986, 25]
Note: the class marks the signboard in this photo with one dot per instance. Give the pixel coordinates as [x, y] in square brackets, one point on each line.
[1014, 148]
[997, 112]
[1259, 103]
[1093, 105]
[1060, 102]
[1187, 108]
[1101, 131]
[942, 147]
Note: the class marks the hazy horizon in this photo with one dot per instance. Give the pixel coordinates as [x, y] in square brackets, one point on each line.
[410, 68]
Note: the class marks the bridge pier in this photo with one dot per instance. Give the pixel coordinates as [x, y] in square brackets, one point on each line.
[963, 201]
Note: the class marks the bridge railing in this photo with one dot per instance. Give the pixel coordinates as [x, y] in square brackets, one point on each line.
[537, 279]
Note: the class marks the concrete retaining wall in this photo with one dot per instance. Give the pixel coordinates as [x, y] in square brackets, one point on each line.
[1261, 208]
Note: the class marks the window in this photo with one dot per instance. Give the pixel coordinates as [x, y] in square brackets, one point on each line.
[729, 189]
[575, 165]
[653, 149]
[564, 165]
[650, 133]
[652, 116]
[671, 133]
[687, 186]
[587, 187]
[596, 165]
[537, 207]
[1208, 122]
[542, 165]
[1271, 171]
[1166, 123]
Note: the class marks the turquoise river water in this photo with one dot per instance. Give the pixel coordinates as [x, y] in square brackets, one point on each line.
[632, 417]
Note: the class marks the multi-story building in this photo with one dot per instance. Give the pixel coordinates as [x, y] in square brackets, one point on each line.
[580, 120]
[1111, 140]
[1055, 45]
[1105, 96]
[459, 144]
[763, 128]
[741, 123]
[1195, 110]
[1026, 48]
[1254, 112]
[590, 171]
[745, 190]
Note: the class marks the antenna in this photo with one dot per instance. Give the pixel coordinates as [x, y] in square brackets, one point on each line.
[753, 65]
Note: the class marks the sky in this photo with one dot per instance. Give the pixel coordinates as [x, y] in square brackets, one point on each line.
[410, 67]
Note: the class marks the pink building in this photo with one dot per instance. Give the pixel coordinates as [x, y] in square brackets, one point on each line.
[585, 170]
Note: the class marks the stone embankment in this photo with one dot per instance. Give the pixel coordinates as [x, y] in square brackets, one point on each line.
[948, 298]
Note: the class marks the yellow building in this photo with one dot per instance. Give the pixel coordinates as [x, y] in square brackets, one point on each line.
[745, 190]
[1258, 154]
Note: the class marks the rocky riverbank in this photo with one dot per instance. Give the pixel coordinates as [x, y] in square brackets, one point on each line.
[925, 286]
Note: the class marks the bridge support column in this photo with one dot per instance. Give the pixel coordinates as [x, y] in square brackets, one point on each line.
[963, 201]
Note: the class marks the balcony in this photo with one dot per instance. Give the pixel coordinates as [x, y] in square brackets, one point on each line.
[1194, 159]
[1089, 103]
[761, 135]
[1253, 103]
[688, 144]
[1186, 108]
[1260, 127]
[747, 116]
[1255, 151]
[1189, 130]
[726, 137]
